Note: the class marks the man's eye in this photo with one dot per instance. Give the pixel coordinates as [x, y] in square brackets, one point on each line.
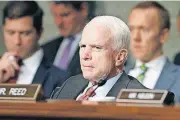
[10, 32]
[26, 33]
[82, 46]
[97, 47]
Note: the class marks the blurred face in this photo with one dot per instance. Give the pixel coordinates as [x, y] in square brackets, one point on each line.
[68, 20]
[178, 23]
[97, 58]
[20, 36]
[146, 38]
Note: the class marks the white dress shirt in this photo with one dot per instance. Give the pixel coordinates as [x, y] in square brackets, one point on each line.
[29, 68]
[154, 70]
[63, 45]
[102, 91]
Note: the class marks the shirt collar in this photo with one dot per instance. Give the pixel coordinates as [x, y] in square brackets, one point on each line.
[156, 64]
[34, 61]
[109, 81]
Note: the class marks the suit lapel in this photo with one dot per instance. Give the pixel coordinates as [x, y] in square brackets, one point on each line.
[166, 78]
[75, 63]
[73, 87]
[121, 83]
[42, 72]
[51, 48]
[129, 65]
[80, 87]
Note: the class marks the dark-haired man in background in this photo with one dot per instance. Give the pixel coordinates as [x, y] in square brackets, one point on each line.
[70, 18]
[22, 28]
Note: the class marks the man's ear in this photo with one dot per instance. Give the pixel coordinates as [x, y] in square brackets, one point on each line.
[121, 57]
[40, 33]
[164, 35]
[84, 9]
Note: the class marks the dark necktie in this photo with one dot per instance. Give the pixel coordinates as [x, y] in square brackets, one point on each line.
[63, 63]
[13, 80]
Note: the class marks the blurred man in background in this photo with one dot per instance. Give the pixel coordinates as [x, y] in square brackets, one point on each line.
[24, 62]
[70, 17]
[177, 56]
[149, 24]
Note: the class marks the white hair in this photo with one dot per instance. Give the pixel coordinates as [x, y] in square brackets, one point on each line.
[119, 30]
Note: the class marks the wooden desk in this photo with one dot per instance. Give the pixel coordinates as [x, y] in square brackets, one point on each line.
[76, 110]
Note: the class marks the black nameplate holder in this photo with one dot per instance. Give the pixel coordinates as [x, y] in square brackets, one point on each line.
[146, 96]
[15, 92]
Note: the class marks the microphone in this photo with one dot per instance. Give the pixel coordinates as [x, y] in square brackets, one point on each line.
[101, 82]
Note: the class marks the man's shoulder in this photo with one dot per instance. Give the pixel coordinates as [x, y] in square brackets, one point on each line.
[134, 83]
[54, 71]
[76, 78]
[169, 66]
[52, 42]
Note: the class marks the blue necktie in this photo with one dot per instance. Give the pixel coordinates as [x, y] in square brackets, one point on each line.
[63, 63]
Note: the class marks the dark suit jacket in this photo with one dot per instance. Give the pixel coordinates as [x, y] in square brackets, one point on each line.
[49, 77]
[76, 84]
[177, 59]
[50, 50]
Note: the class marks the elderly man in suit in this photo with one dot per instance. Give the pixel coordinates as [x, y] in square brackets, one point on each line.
[24, 62]
[103, 52]
[70, 18]
[149, 24]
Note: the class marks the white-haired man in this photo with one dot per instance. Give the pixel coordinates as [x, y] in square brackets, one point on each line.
[103, 52]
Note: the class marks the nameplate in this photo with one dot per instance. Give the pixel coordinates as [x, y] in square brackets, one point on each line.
[20, 92]
[145, 96]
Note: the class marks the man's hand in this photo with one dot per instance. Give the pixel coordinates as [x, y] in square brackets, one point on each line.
[8, 66]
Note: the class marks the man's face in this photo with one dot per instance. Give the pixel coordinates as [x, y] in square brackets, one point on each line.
[146, 38]
[68, 20]
[20, 36]
[97, 57]
[178, 23]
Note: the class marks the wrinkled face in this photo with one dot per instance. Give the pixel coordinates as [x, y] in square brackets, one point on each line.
[68, 20]
[20, 36]
[146, 39]
[97, 57]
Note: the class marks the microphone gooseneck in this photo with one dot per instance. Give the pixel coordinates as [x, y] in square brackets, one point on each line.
[101, 82]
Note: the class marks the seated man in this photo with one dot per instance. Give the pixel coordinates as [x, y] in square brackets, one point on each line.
[149, 23]
[103, 52]
[24, 61]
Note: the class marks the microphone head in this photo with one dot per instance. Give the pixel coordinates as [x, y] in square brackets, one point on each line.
[101, 82]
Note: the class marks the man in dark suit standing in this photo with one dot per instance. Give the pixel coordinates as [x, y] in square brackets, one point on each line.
[70, 18]
[24, 62]
[103, 52]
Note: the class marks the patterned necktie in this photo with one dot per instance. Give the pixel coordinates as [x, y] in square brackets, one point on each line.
[63, 63]
[89, 93]
[142, 75]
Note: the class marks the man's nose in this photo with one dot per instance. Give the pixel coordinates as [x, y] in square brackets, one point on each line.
[136, 36]
[58, 20]
[86, 54]
[17, 39]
